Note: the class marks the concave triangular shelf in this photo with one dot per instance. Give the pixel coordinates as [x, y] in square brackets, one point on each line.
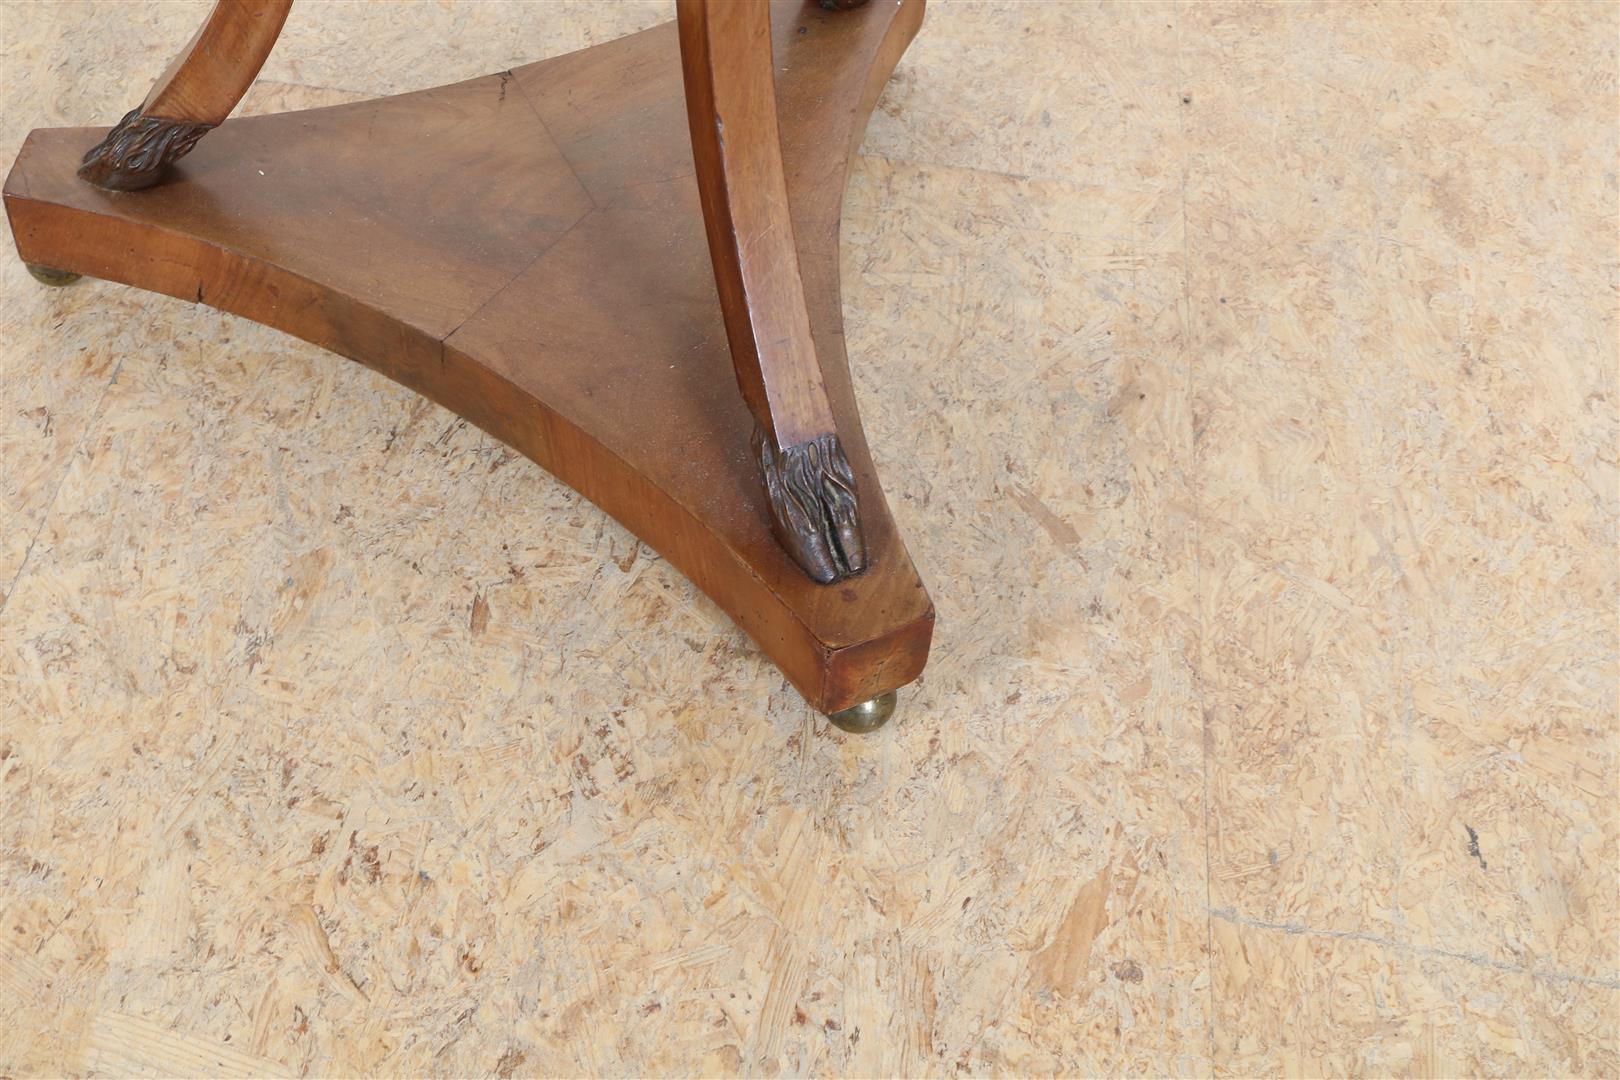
[528, 250]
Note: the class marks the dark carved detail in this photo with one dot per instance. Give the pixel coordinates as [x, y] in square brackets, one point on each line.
[811, 491]
[135, 153]
[842, 5]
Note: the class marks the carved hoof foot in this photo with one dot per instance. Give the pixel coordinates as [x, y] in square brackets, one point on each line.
[48, 275]
[811, 492]
[138, 151]
[866, 717]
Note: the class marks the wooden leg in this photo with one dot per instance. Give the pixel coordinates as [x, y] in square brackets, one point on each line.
[194, 95]
[529, 250]
[726, 62]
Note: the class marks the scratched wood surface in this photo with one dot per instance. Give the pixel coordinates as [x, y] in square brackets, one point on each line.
[1244, 381]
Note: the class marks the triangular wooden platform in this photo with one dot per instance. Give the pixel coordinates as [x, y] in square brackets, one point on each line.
[528, 250]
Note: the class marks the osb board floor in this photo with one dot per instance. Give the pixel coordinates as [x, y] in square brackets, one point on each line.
[1243, 379]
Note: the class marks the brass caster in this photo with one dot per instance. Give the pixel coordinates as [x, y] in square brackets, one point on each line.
[46, 275]
[866, 717]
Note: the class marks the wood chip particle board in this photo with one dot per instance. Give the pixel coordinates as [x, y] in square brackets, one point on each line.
[1255, 373]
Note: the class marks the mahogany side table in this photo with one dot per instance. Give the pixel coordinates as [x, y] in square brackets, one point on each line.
[622, 262]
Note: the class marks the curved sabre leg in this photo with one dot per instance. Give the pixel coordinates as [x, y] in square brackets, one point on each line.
[727, 65]
[194, 95]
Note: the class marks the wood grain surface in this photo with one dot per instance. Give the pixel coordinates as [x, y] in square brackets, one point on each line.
[209, 76]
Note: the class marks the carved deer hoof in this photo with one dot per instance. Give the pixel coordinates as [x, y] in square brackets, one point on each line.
[811, 492]
[137, 152]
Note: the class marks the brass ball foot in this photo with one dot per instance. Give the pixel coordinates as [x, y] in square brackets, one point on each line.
[866, 717]
[46, 275]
